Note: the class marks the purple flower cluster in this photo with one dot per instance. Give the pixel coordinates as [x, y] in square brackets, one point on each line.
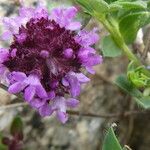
[45, 58]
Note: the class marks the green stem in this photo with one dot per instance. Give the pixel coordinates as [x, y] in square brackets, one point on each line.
[112, 26]
[130, 55]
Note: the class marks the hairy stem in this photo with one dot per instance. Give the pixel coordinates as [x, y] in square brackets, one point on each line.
[112, 26]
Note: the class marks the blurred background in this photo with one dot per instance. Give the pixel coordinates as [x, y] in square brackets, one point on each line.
[100, 96]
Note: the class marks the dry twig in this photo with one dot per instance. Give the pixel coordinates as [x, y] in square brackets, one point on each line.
[88, 114]
[78, 113]
[12, 106]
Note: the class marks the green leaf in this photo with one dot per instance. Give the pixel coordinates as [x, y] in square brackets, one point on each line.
[110, 141]
[139, 76]
[132, 5]
[148, 5]
[85, 4]
[17, 128]
[144, 102]
[110, 1]
[2, 146]
[131, 23]
[94, 6]
[123, 7]
[131, 66]
[129, 88]
[115, 7]
[109, 48]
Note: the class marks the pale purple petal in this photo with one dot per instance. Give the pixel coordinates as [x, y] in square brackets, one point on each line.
[90, 59]
[21, 37]
[40, 12]
[26, 12]
[70, 12]
[51, 95]
[3, 74]
[40, 91]
[33, 80]
[94, 60]
[84, 53]
[90, 69]
[45, 110]
[71, 102]
[7, 35]
[13, 52]
[73, 26]
[65, 82]
[4, 54]
[11, 24]
[87, 50]
[3, 78]
[37, 103]
[64, 16]
[56, 15]
[18, 76]
[74, 85]
[82, 78]
[2, 69]
[62, 116]
[87, 38]
[59, 104]
[16, 88]
[29, 93]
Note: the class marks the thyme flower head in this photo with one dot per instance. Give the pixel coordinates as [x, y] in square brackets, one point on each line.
[45, 57]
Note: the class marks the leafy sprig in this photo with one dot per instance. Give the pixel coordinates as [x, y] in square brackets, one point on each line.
[123, 19]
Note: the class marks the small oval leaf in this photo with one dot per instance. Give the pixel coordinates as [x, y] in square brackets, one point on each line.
[127, 86]
[132, 5]
[109, 48]
[94, 6]
[131, 23]
[16, 129]
[110, 141]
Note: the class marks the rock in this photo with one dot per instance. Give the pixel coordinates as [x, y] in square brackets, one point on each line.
[5, 97]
